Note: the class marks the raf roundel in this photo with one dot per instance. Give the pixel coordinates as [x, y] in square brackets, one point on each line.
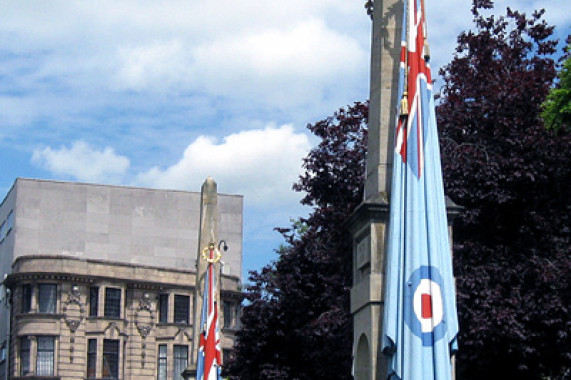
[424, 308]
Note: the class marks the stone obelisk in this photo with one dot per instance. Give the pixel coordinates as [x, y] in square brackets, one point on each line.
[209, 225]
[369, 222]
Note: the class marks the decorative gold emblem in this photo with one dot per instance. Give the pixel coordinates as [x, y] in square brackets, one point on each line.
[211, 254]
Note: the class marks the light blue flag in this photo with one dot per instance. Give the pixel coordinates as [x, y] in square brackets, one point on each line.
[202, 329]
[420, 319]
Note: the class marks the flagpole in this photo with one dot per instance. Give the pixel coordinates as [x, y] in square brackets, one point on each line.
[404, 100]
[397, 162]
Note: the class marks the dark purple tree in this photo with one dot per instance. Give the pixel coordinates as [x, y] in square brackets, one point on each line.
[513, 178]
[296, 322]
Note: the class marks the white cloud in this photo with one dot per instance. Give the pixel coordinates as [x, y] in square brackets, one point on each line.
[82, 162]
[155, 66]
[279, 67]
[275, 55]
[260, 164]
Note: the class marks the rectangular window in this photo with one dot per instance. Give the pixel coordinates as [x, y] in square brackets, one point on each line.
[3, 352]
[113, 302]
[26, 298]
[47, 298]
[93, 301]
[228, 315]
[91, 358]
[110, 359]
[24, 356]
[181, 309]
[180, 361]
[163, 308]
[9, 222]
[45, 356]
[162, 364]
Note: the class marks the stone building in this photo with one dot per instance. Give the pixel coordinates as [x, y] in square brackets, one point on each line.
[99, 281]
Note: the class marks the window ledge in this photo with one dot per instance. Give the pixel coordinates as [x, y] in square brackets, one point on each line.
[103, 318]
[35, 314]
[177, 324]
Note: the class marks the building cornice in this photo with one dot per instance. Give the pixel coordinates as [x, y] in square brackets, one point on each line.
[25, 258]
[40, 268]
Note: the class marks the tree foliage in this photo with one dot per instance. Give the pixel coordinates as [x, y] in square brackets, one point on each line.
[296, 324]
[557, 108]
[512, 176]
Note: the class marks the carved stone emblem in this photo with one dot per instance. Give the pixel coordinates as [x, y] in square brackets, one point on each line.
[145, 303]
[145, 316]
[74, 295]
[144, 330]
[73, 324]
[73, 309]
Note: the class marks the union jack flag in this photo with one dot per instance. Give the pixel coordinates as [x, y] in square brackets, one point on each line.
[208, 365]
[415, 74]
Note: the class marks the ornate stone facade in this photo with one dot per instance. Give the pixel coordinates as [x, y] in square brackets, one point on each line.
[79, 316]
[86, 316]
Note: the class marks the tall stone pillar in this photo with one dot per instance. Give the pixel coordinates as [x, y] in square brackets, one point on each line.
[385, 60]
[369, 222]
[209, 225]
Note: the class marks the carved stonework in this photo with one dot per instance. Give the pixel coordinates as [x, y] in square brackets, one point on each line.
[144, 330]
[145, 316]
[145, 303]
[74, 295]
[73, 311]
[143, 353]
[182, 335]
[74, 298]
[112, 330]
[73, 324]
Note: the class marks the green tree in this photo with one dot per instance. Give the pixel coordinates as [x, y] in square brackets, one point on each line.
[557, 108]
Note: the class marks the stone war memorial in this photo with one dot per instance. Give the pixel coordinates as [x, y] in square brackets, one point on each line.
[402, 297]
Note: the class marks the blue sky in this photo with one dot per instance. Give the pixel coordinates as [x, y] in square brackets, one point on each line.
[165, 93]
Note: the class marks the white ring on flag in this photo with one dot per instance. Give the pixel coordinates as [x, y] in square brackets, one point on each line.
[424, 305]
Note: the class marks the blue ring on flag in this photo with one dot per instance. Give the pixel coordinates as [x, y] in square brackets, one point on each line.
[430, 273]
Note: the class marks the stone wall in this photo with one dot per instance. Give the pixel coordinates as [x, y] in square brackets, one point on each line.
[121, 224]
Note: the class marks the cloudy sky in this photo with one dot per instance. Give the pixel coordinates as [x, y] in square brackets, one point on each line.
[164, 93]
